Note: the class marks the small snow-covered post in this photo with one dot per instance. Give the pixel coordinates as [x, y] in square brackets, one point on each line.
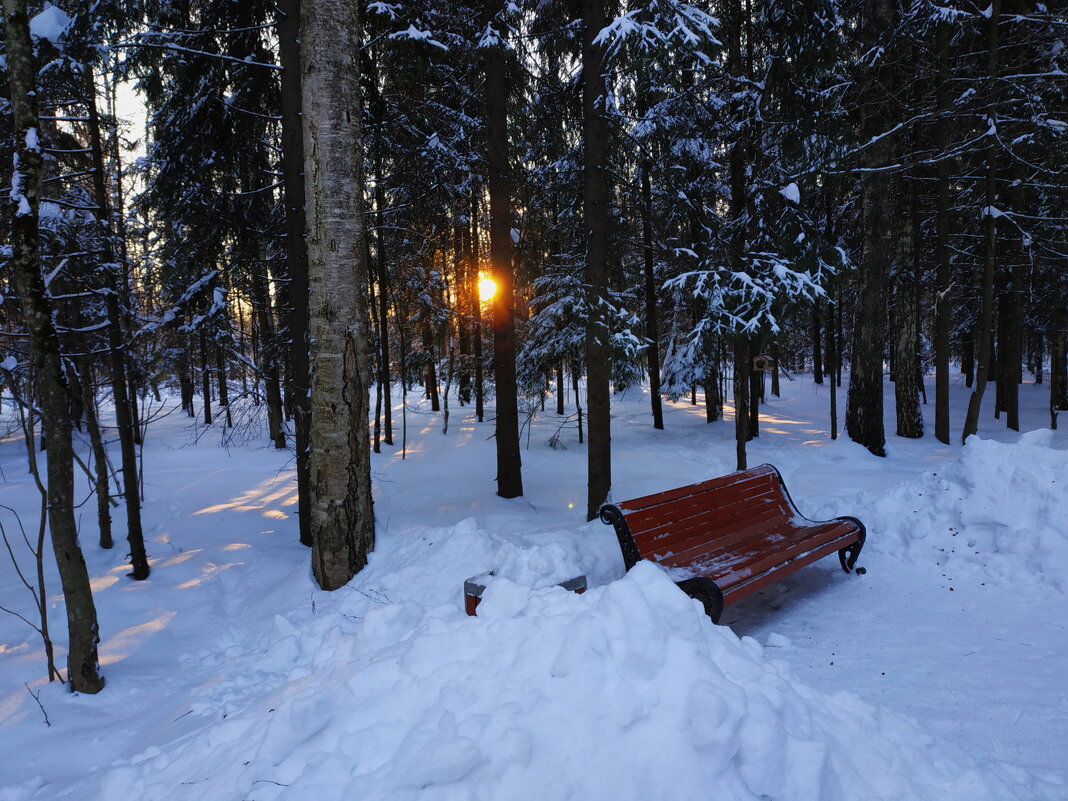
[83, 668]
[342, 522]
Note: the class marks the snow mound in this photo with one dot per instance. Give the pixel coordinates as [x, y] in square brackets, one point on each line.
[625, 692]
[997, 512]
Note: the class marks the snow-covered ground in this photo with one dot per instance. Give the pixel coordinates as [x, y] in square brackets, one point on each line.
[939, 674]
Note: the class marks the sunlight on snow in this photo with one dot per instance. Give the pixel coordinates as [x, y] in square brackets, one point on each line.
[164, 561]
[252, 500]
[116, 648]
[100, 583]
[208, 570]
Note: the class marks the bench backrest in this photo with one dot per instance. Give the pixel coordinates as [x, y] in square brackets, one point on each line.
[669, 526]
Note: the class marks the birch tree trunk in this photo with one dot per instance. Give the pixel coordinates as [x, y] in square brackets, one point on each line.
[83, 668]
[341, 518]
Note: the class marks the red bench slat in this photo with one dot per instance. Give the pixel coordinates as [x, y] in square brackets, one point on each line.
[710, 525]
[636, 504]
[703, 503]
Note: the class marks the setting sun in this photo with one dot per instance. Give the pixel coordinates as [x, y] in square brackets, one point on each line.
[487, 287]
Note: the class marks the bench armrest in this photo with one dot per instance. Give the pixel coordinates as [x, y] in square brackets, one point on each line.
[612, 515]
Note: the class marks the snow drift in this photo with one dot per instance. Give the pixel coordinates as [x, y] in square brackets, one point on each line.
[626, 692]
[970, 517]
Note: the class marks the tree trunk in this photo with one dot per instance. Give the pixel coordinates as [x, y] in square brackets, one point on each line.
[596, 219]
[971, 421]
[943, 275]
[967, 358]
[383, 316]
[480, 390]
[342, 521]
[560, 388]
[205, 376]
[185, 382]
[1011, 350]
[430, 366]
[712, 401]
[220, 378]
[261, 303]
[1058, 365]
[83, 668]
[509, 467]
[741, 398]
[864, 401]
[461, 281]
[775, 369]
[124, 406]
[907, 339]
[296, 253]
[817, 337]
[100, 459]
[652, 329]
[737, 244]
[578, 401]
[756, 391]
[834, 359]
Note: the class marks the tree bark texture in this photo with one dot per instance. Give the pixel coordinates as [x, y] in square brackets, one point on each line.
[817, 341]
[261, 302]
[83, 667]
[942, 276]
[341, 517]
[596, 219]
[982, 371]
[864, 400]
[907, 334]
[509, 466]
[652, 328]
[1058, 365]
[742, 368]
[737, 159]
[296, 252]
[121, 391]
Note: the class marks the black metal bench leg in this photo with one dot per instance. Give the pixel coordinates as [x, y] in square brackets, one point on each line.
[707, 592]
[848, 556]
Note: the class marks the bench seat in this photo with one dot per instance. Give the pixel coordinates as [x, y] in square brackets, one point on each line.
[729, 536]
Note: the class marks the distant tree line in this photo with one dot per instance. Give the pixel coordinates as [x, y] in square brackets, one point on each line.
[664, 193]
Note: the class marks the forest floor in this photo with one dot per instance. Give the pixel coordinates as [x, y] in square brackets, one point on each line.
[939, 674]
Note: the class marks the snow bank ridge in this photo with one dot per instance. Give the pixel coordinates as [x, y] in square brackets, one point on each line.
[998, 513]
[626, 692]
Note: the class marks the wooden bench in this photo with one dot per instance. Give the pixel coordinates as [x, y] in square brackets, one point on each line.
[730, 536]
